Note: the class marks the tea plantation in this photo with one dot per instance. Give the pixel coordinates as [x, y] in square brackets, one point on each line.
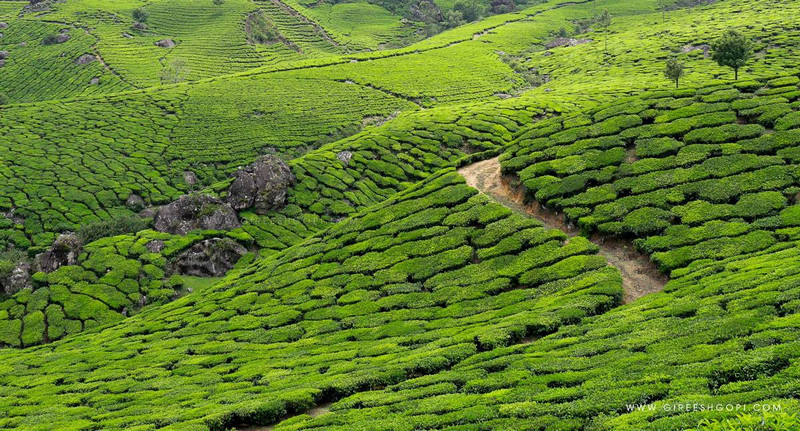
[233, 214]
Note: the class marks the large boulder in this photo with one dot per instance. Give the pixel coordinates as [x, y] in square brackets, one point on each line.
[195, 212]
[345, 157]
[85, 59]
[262, 185]
[166, 43]
[134, 202]
[17, 279]
[64, 252]
[210, 258]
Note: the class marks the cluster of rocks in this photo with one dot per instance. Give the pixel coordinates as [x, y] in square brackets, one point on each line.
[63, 252]
[210, 258]
[261, 186]
[195, 212]
[3, 57]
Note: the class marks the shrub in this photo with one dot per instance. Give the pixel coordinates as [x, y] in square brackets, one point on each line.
[140, 15]
[118, 226]
[261, 29]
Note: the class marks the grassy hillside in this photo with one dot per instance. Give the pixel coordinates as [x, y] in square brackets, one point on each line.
[412, 286]
[386, 293]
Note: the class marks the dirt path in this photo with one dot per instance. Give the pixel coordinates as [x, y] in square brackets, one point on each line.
[640, 276]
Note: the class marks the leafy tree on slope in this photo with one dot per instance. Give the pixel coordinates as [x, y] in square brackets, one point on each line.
[674, 71]
[604, 22]
[733, 50]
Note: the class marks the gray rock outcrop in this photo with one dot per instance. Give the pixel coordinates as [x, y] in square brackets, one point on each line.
[345, 157]
[85, 59]
[134, 202]
[195, 212]
[19, 278]
[262, 185]
[155, 246]
[210, 258]
[64, 252]
[166, 43]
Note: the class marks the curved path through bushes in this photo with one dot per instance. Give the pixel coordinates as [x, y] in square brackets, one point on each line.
[640, 275]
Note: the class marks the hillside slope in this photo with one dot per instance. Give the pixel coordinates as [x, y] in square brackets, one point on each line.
[386, 293]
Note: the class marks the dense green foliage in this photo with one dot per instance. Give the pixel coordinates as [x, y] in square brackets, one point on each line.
[692, 175]
[412, 286]
[387, 294]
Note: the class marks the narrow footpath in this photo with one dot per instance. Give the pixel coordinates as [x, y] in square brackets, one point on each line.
[640, 276]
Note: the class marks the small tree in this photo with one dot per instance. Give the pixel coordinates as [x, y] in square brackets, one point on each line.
[733, 50]
[140, 15]
[604, 22]
[175, 72]
[218, 2]
[470, 10]
[674, 71]
[454, 19]
[663, 6]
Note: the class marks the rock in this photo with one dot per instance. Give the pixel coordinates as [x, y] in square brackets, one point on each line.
[19, 278]
[690, 48]
[148, 212]
[139, 26]
[193, 212]
[210, 258]
[62, 37]
[23, 44]
[64, 252]
[565, 41]
[3, 55]
[344, 157]
[165, 43]
[85, 59]
[262, 185]
[2, 63]
[134, 202]
[155, 246]
[94, 81]
[127, 35]
[189, 178]
[3, 25]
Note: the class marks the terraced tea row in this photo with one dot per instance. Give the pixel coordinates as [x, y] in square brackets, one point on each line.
[412, 286]
[333, 182]
[59, 69]
[691, 175]
[722, 334]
